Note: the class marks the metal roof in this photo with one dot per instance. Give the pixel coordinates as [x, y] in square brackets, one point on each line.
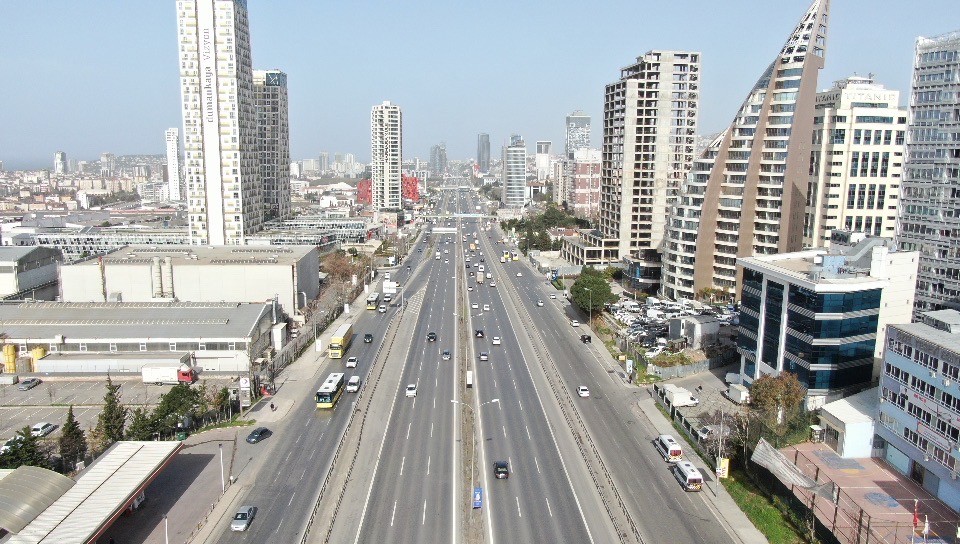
[26, 492]
[860, 408]
[100, 494]
[185, 255]
[129, 320]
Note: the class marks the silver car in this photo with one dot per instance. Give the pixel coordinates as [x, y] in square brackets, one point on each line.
[243, 517]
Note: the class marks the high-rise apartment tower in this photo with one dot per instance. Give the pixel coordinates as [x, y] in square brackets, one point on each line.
[578, 133]
[60, 163]
[273, 140]
[930, 193]
[483, 152]
[515, 173]
[386, 155]
[746, 195]
[224, 193]
[174, 161]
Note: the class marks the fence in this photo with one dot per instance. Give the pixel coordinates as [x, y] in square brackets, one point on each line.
[634, 350]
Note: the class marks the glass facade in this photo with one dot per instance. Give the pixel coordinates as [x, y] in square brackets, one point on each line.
[834, 303]
[832, 328]
[773, 309]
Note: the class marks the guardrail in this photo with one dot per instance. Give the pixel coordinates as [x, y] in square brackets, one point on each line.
[579, 430]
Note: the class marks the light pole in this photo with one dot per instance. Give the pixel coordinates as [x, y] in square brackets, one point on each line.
[587, 289]
[223, 483]
[166, 530]
[474, 453]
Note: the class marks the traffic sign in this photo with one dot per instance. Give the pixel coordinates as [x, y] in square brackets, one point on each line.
[478, 497]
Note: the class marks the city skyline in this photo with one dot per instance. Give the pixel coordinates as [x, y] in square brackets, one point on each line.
[124, 117]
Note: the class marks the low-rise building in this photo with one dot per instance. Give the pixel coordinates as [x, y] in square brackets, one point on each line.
[699, 331]
[822, 314]
[29, 272]
[920, 402]
[222, 337]
[197, 274]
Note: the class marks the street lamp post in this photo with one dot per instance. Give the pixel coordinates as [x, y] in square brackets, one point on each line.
[474, 453]
[223, 483]
[587, 289]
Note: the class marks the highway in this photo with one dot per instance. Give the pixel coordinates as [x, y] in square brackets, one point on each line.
[658, 506]
[413, 495]
[298, 454]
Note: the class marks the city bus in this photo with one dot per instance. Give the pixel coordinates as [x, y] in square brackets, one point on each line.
[340, 341]
[329, 393]
[373, 301]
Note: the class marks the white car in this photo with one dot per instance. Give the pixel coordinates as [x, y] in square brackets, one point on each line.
[469, 288]
[553, 296]
[574, 322]
[486, 307]
[582, 391]
[412, 390]
[42, 429]
[519, 274]
[496, 340]
[243, 517]
[475, 306]
[352, 362]
[539, 303]
[493, 284]
[446, 261]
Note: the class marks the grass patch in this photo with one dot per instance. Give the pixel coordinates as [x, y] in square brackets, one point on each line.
[226, 423]
[762, 513]
[558, 284]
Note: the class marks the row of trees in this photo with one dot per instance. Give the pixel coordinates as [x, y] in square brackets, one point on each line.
[533, 230]
[178, 409]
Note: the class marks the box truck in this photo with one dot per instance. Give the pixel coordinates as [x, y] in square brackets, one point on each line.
[680, 397]
[168, 374]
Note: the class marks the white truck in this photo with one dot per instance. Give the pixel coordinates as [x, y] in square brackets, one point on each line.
[738, 393]
[168, 374]
[679, 397]
[390, 287]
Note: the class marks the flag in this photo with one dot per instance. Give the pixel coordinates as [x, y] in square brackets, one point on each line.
[916, 513]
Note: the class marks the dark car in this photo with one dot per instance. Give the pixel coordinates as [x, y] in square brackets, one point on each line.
[585, 338]
[501, 470]
[29, 383]
[367, 338]
[258, 434]
[467, 265]
[479, 333]
[431, 337]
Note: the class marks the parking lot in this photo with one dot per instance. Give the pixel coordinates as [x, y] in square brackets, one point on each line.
[49, 401]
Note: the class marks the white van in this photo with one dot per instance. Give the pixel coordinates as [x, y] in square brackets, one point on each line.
[354, 384]
[669, 448]
[689, 477]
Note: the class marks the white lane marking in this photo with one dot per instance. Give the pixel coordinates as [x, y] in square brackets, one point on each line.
[521, 404]
[528, 432]
[423, 521]
[428, 465]
[431, 423]
[394, 513]
[434, 403]
[536, 462]
[548, 506]
[410, 424]
[291, 499]
[520, 514]
[402, 462]
[504, 430]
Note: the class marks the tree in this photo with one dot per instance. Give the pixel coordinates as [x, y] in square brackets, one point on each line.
[112, 419]
[141, 425]
[179, 403]
[338, 265]
[73, 443]
[777, 399]
[591, 291]
[25, 451]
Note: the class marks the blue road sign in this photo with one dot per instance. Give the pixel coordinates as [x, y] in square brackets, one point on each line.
[478, 497]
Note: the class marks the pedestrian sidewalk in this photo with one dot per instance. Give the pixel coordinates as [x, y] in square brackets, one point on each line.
[728, 512]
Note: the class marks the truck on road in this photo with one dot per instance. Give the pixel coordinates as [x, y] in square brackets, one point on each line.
[168, 374]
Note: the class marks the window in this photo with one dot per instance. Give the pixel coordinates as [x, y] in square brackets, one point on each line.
[839, 135]
[173, 346]
[113, 347]
[143, 346]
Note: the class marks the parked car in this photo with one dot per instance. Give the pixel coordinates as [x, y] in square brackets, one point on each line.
[42, 429]
[712, 432]
[243, 517]
[258, 435]
[9, 444]
[28, 384]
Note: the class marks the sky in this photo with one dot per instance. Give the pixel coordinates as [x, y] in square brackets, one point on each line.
[101, 75]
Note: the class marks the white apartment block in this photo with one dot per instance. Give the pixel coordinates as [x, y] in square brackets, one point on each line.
[746, 195]
[930, 195]
[386, 155]
[60, 166]
[856, 162]
[174, 159]
[542, 159]
[515, 173]
[273, 141]
[224, 193]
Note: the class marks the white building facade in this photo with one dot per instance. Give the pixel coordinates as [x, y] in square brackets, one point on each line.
[577, 134]
[386, 155]
[515, 173]
[856, 162]
[273, 140]
[224, 193]
[174, 175]
[542, 159]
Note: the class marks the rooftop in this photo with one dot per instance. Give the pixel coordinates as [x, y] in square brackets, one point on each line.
[859, 408]
[204, 255]
[173, 320]
[945, 339]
